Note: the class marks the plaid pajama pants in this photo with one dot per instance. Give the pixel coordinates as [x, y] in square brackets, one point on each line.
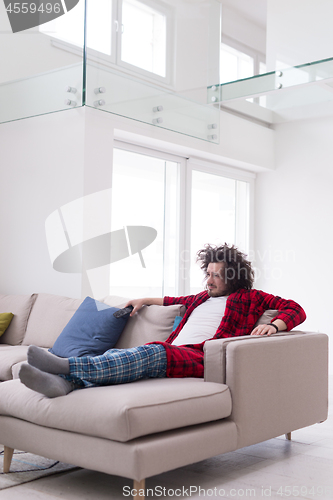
[118, 366]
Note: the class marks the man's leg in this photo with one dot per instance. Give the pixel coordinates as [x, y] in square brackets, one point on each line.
[116, 366]
[46, 361]
[119, 366]
[48, 384]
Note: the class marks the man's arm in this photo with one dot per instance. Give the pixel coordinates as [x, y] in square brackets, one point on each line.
[148, 301]
[269, 329]
[290, 314]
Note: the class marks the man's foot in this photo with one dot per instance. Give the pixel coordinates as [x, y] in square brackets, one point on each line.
[46, 361]
[48, 384]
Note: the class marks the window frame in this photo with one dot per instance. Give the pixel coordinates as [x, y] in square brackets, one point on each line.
[221, 170]
[258, 57]
[114, 61]
[165, 10]
[136, 148]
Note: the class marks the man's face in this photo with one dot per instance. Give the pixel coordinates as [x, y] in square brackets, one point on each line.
[216, 286]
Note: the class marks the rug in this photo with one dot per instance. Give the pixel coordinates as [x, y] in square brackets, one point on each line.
[27, 467]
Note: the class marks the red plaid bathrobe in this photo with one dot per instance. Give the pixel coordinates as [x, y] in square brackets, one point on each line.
[243, 309]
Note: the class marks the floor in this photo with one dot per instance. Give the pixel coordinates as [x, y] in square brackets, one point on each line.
[275, 469]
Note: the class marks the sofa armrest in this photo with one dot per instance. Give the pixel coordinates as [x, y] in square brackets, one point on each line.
[215, 353]
[277, 383]
[215, 356]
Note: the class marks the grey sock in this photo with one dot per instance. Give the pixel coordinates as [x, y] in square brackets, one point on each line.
[46, 361]
[48, 384]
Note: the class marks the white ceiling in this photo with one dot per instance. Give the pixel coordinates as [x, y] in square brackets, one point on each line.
[255, 10]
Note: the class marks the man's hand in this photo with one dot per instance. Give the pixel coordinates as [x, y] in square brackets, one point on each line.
[138, 303]
[263, 330]
[269, 329]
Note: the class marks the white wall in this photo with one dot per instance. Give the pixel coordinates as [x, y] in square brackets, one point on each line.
[196, 49]
[238, 27]
[46, 163]
[41, 169]
[294, 207]
[298, 31]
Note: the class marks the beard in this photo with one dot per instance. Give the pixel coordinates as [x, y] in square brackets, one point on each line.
[215, 293]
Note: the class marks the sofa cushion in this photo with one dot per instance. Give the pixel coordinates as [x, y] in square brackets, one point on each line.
[20, 306]
[5, 319]
[91, 331]
[10, 356]
[267, 317]
[48, 318]
[151, 323]
[121, 412]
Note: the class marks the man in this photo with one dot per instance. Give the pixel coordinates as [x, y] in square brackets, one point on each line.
[229, 307]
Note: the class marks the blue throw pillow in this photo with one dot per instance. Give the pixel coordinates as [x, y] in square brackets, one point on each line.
[91, 331]
[176, 322]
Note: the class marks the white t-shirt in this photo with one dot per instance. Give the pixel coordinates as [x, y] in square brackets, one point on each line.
[203, 322]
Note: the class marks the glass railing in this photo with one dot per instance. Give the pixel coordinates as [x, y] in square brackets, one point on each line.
[80, 58]
[109, 91]
[260, 84]
[65, 63]
[51, 91]
[168, 89]
[37, 76]
[282, 92]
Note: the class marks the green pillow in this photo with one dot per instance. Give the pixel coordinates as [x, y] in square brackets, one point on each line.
[5, 319]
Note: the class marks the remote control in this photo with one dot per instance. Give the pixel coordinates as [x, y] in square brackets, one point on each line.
[123, 312]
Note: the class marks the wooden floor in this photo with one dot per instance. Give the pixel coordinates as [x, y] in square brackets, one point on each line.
[275, 469]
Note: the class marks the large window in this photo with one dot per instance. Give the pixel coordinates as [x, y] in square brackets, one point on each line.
[133, 34]
[220, 213]
[166, 209]
[145, 211]
[144, 36]
[238, 61]
[234, 64]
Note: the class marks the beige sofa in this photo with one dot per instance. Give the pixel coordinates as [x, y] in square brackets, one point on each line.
[254, 389]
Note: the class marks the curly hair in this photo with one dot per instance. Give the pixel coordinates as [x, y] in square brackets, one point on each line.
[238, 272]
